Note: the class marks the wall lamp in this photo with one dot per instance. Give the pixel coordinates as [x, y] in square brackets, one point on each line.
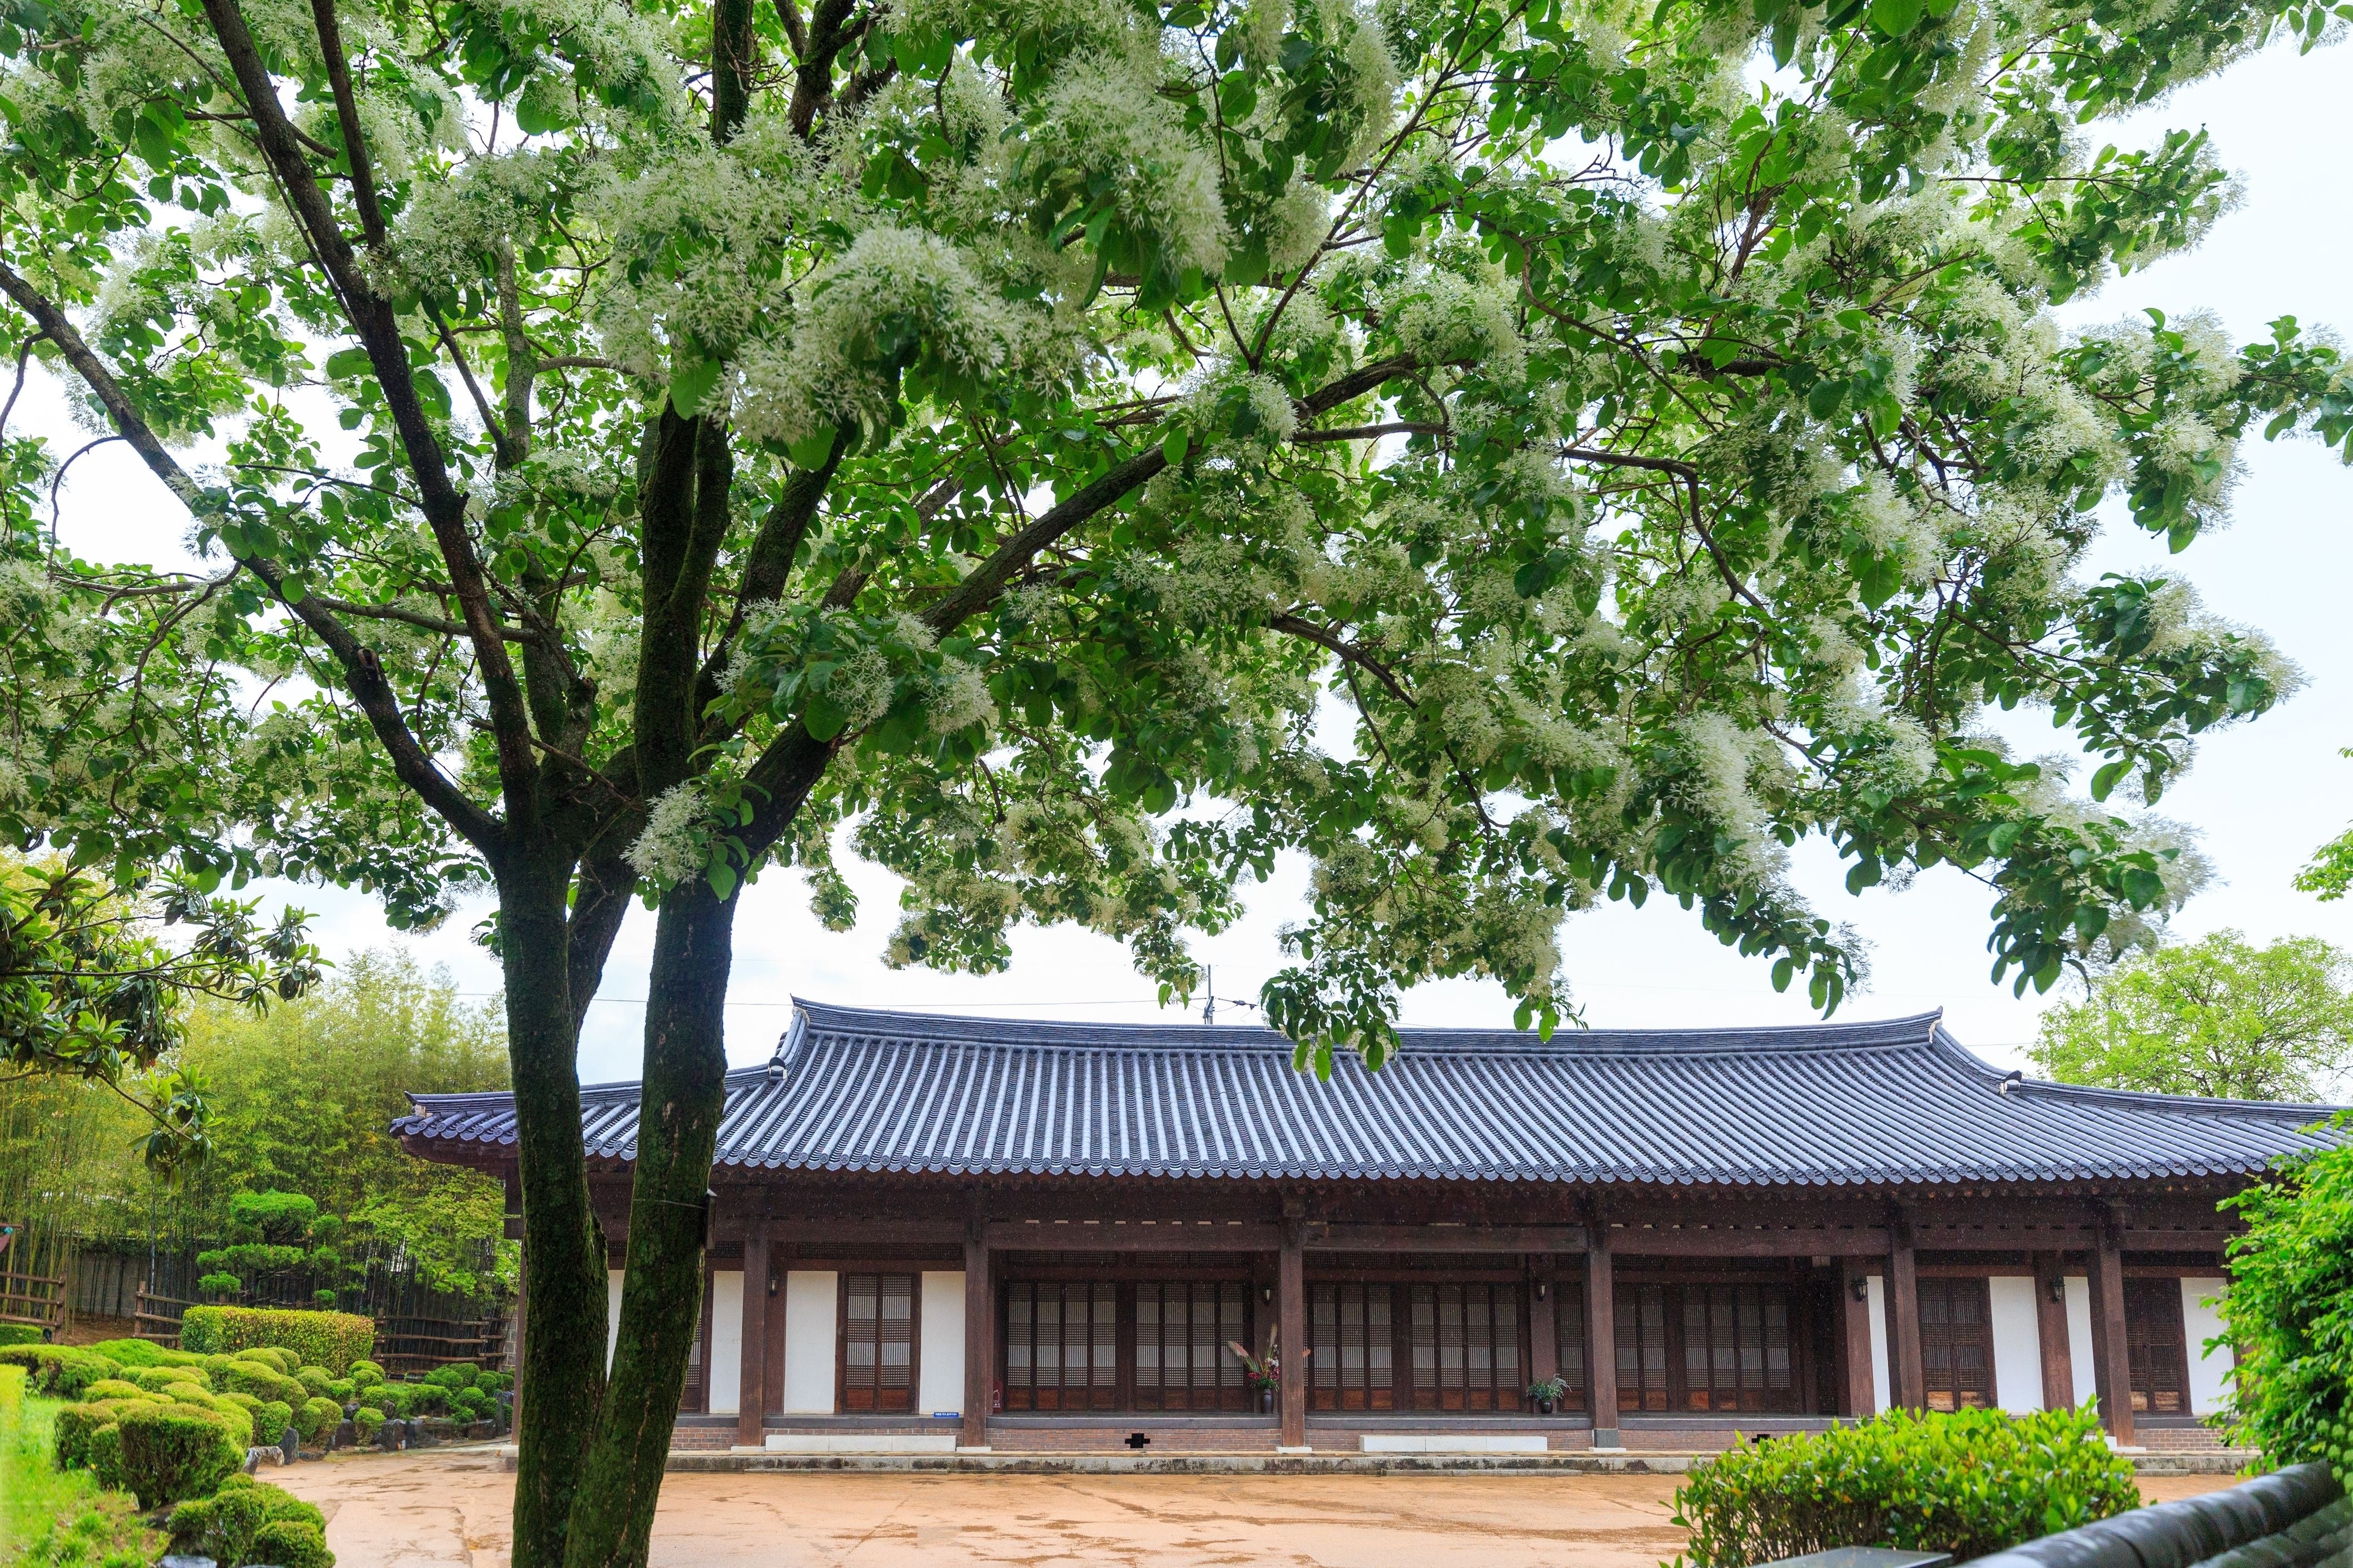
[1861, 1286]
[1266, 1293]
[1541, 1289]
[2057, 1288]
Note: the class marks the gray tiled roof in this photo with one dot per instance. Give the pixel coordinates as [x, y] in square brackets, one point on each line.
[1893, 1101]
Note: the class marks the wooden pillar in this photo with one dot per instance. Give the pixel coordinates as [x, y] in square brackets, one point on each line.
[1291, 1306]
[522, 1321]
[1600, 1336]
[752, 1367]
[1544, 1333]
[2111, 1365]
[979, 1337]
[1903, 1317]
[1861, 1388]
[2051, 1332]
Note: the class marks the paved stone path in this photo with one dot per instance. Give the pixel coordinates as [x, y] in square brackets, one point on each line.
[450, 1511]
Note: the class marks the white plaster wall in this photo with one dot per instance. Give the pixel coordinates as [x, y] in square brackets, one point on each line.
[811, 1301]
[2017, 1344]
[939, 1389]
[726, 1384]
[1883, 1386]
[2209, 1371]
[612, 1314]
[2079, 1337]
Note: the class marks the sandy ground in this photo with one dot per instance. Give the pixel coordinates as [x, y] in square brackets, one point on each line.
[449, 1510]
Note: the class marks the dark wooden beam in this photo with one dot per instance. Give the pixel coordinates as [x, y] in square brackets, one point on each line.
[979, 1337]
[1343, 1237]
[1862, 1383]
[2051, 1332]
[1723, 1242]
[1601, 1337]
[1904, 1320]
[1544, 1330]
[1291, 1306]
[752, 1400]
[2111, 1368]
[1231, 1237]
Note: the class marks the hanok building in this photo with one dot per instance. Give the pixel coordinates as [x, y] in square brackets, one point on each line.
[934, 1233]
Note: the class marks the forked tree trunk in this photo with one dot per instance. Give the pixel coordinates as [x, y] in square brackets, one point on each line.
[563, 1312]
[661, 1301]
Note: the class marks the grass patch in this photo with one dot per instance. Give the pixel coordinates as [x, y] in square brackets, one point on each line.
[55, 1518]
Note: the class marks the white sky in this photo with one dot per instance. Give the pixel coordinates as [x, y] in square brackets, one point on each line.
[2262, 796]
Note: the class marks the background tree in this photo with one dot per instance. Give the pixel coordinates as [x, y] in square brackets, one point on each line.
[1006, 429]
[93, 990]
[2288, 1315]
[2216, 1016]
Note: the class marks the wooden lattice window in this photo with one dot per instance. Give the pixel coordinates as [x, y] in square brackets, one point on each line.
[1181, 1331]
[878, 1343]
[1568, 1340]
[1736, 1351]
[1351, 1329]
[1643, 1363]
[1705, 1347]
[1061, 1345]
[2156, 1350]
[1957, 1344]
[1466, 1347]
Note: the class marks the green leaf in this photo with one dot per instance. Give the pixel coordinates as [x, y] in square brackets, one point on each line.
[691, 386]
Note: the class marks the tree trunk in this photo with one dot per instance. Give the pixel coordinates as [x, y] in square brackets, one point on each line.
[564, 1322]
[661, 1299]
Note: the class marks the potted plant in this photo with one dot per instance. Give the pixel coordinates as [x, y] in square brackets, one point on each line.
[1548, 1395]
[1262, 1373]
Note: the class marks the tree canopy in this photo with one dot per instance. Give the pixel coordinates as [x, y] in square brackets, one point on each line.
[1515, 453]
[2216, 1016]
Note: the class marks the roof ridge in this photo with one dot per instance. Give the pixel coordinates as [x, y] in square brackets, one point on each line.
[1913, 1031]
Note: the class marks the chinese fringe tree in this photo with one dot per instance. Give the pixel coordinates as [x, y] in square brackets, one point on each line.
[653, 437]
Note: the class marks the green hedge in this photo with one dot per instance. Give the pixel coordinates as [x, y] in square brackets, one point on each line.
[58, 1372]
[165, 1453]
[1968, 1483]
[332, 1340]
[20, 1334]
[78, 1423]
[228, 1527]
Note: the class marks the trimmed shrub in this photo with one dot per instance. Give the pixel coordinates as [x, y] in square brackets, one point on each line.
[471, 1404]
[155, 1379]
[130, 1352]
[367, 1423]
[170, 1452]
[1970, 1482]
[234, 1418]
[456, 1376]
[342, 1390]
[292, 1543]
[272, 1419]
[249, 1404]
[20, 1334]
[59, 1371]
[279, 1356]
[366, 1373]
[316, 1379]
[77, 1424]
[113, 1388]
[104, 1450]
[332, 1340]
[241, 1376]
[227, 1526]
[316, 1419]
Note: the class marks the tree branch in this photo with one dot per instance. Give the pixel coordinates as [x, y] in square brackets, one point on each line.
[363, 672]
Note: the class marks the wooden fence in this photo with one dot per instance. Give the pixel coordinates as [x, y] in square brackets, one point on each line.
[36, 1299]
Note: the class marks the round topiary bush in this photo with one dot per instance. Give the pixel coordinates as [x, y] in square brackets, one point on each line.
[316, 1419]
[261, 1380]
[78, 1423]
[114, 1388]
[272, 1419]
[170, 1452]
[317, 1380]
[226, 1527]
[292, 1543]
[366, 1373]
[366, 1422]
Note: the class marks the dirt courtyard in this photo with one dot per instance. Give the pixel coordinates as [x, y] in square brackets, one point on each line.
[449, 1510]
